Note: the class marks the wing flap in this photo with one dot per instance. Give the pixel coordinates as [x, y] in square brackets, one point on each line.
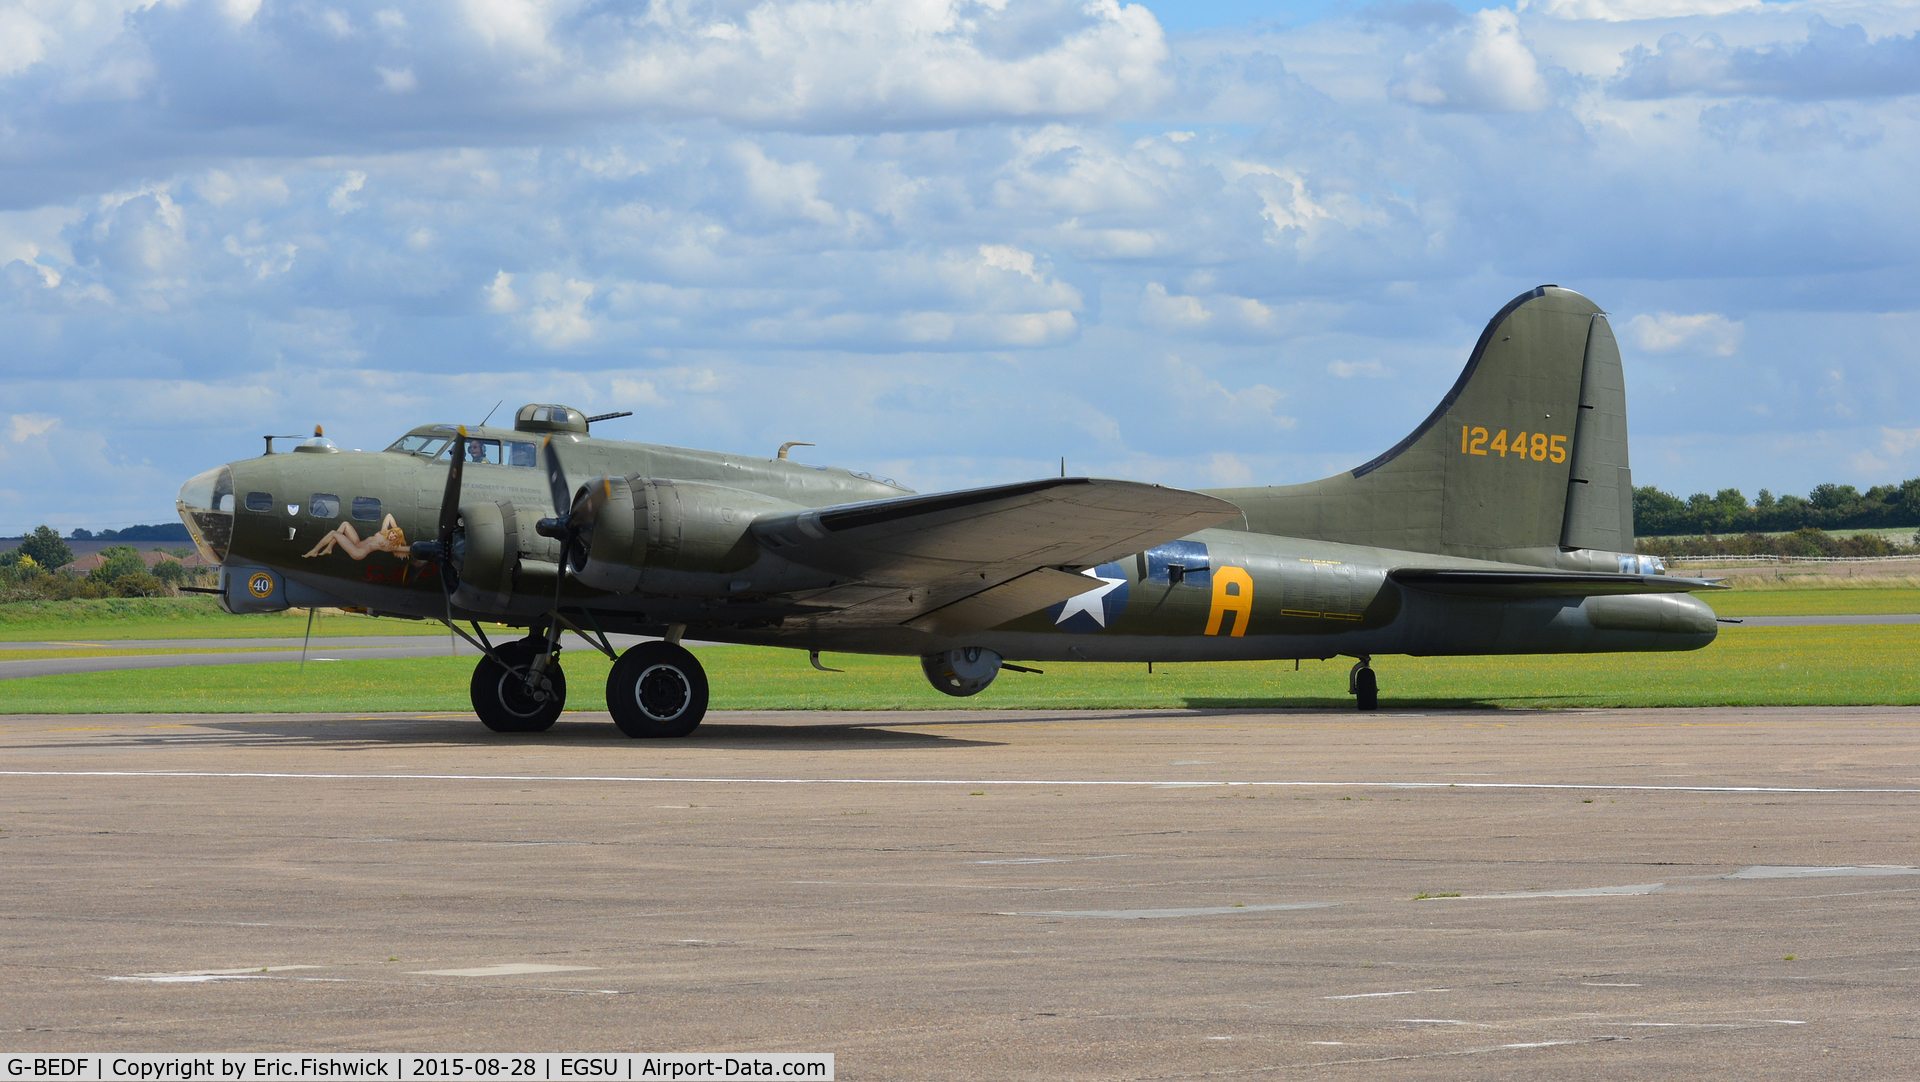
[1513, 585]
[1011, 599]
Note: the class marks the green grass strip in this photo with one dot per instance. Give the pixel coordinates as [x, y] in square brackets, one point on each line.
[1822, 602]
[1778, 666]
[182, 618]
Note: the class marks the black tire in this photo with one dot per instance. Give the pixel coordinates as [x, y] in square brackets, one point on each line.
[1366, 688]
[500, 695]
[656, 690]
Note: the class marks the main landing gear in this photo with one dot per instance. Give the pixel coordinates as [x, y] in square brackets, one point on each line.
[656, 689]
[1363, 685]
[507, 700]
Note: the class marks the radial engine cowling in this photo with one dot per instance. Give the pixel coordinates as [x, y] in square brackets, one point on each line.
[680, 537]
[485, 552]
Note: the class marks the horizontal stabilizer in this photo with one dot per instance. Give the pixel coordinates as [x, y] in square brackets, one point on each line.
[1513, 585]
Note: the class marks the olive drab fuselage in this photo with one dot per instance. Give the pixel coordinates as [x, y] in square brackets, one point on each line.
[1521, 469]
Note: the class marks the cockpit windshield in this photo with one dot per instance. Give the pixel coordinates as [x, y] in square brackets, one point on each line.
[425, 446]
[484, 452]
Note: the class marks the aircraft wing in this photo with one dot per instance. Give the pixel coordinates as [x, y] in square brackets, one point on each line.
[955, 562]
[1514, 585]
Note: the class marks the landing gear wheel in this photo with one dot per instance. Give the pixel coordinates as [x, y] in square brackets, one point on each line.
[501, 696]
[1365, 686]
[657, 689]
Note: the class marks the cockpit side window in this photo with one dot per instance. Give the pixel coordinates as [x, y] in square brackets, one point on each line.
[482, 452]
[521, 454]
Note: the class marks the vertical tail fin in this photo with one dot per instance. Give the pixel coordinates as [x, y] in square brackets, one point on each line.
[1508, 466]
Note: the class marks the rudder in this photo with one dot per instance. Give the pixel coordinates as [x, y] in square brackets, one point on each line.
[1600, 485]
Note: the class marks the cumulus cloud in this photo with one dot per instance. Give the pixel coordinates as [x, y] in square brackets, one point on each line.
[1834, 62]
[1483, 66]
[1631, 10]
[342, 200]
[1350, 369]
[22, 427]
[159, 82]
[554, 313]
[1788, 126]
[1217, 312]
[1706, 332]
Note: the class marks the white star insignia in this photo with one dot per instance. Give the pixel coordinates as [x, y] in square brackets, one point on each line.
[1093, 602]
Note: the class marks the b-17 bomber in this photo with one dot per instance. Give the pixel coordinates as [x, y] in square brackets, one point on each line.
[1503, 524]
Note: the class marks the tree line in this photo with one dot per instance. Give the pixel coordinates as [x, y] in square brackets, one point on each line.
[1827, 507]
[32, 569]
[166, 531]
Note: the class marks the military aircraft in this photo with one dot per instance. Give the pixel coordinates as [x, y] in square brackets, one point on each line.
[1503, 524]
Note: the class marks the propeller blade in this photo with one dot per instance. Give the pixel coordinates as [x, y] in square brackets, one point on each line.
[450, 501]
[557, 479]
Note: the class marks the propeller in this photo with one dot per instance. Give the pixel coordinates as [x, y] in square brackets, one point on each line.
[574, 514]
[440, 551]
[572, 526]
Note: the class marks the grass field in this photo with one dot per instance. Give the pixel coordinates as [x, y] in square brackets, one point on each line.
[1861, 665]
[182, 618]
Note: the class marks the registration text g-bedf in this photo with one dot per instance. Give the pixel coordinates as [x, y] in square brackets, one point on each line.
[45, 1066]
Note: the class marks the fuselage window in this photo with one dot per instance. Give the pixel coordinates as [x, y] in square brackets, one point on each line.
[366, 509]
[259, 501]
[520, 454]
[324, 505]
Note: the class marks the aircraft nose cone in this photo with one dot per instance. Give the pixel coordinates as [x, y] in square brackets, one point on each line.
[205, 504]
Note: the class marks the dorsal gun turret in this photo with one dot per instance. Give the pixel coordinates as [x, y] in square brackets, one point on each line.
[546, 417]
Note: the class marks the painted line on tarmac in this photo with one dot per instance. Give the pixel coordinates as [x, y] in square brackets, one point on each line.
[1111, 783]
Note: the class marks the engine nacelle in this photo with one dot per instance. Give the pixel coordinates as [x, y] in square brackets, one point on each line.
[485, 556]
[961, 672]
[681, 537]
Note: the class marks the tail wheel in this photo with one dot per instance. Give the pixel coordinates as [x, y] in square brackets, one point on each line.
[504, 701]
[657, 689]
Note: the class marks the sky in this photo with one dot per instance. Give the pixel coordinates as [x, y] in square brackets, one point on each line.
[1222, 242]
